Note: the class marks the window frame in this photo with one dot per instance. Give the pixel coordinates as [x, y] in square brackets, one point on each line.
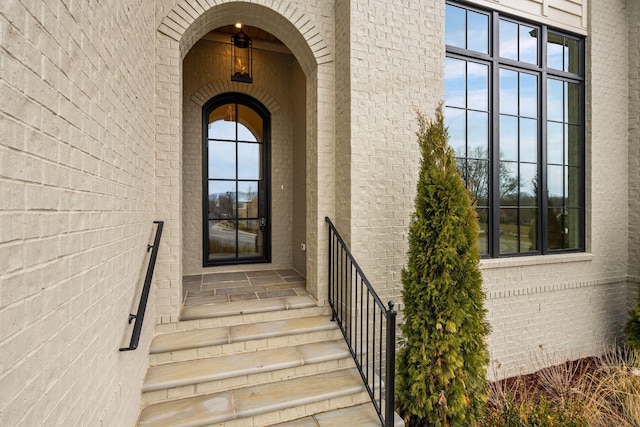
[239, 99]
[495, 63]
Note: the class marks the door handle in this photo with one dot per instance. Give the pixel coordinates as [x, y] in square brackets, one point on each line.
[263, 223]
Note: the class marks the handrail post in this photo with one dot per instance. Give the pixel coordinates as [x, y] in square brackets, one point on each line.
[329, 269]
[390, 367]
[142, 306]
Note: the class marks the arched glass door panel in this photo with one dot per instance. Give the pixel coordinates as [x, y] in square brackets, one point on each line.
[236, 186]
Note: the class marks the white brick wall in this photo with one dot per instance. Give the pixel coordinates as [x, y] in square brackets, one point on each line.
[392, 72]
[76, 190]
[633, 13]
[93, 149]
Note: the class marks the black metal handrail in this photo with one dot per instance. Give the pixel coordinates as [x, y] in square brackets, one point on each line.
[142, 306]
[368, 327]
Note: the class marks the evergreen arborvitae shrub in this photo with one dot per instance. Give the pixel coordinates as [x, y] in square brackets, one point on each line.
[632, 328]
[442, 365]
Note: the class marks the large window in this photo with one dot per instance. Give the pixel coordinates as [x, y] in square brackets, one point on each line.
[514, 98]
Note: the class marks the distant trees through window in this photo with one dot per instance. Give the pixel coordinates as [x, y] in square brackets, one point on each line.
[514, 108]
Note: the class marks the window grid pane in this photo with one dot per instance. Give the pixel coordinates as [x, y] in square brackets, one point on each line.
[467, 119]
[519, 225]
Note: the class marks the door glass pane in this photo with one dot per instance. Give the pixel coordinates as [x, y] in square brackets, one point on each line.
[249, 161]
[248, 199]
[222, 160]
[222, 239]
[222, 199]
[222, 123]
[249, 124]
[250, 237]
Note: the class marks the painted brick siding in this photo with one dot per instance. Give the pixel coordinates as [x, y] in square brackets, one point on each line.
[392, 73]
[76, 189]
[634, 139]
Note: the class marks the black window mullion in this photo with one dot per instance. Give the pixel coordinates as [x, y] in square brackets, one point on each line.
[542, 237]
[583, 148]
[542, 218]
[235, 220]
[494, 159]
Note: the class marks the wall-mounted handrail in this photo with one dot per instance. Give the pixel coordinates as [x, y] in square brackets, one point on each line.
[368, 327]
[142, 306]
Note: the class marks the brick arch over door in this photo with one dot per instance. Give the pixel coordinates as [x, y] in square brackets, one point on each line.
[188, 22]
[208, 91]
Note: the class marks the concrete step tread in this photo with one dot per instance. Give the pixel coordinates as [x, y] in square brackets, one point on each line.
[363, 415]
[183, 340]
[206, 311]
[252, 401]
[229, 366]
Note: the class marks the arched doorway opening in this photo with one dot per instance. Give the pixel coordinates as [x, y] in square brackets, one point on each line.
[182, 34]
[244, 192]
[236, 186]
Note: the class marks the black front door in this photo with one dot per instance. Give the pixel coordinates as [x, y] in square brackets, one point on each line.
[236, 180]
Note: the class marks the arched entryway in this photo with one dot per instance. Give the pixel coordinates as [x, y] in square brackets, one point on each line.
[294, 88]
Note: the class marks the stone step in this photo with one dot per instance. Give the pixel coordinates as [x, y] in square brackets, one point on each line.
[203, 311]
[197, 377]
[203, 343]
[363, 415]
[262, 405]
[205, 316]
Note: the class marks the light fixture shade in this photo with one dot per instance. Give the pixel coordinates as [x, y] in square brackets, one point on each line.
[241, 58]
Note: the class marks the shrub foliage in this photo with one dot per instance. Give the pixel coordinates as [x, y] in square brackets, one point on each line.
[632, 328]
[442, 365]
